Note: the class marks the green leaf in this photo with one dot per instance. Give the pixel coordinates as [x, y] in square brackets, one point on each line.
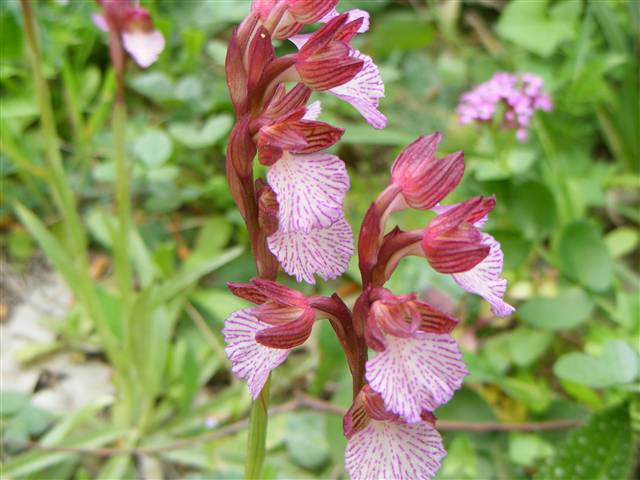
[622, 241]
[584, 257]
[533, 209]
[37, 460]
[534, 393]
[153, 147]
[194, 136]
[407, 30]
[618, 364]
[54, 251]
[570, 308]
[600, 450]
[515, 247]
[306, 441]
[154, 85]
[528, 24]
[12, 402]
[526, 448]
[526, 345]
[188, 276]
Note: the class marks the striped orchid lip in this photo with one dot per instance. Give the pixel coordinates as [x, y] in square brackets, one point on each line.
[382, 445]
[418, 365]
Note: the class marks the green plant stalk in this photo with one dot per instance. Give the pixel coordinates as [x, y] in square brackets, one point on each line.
[257, 434]
[123, 207]
[64, 197]
[558, 179]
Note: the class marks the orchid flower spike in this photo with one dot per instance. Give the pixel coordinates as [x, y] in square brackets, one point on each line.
[134, 25]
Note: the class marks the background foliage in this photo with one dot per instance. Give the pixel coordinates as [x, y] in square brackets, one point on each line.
[567, 218]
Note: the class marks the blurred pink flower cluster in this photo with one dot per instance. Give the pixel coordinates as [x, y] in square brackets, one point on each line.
[520, 95]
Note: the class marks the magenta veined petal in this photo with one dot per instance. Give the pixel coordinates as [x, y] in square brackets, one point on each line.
[394, 450]
[484, 279]
[324, 251]
[313, 111]
[144, 46]
[310, 190]
[416, 373]
[364, 91]
[250, 360]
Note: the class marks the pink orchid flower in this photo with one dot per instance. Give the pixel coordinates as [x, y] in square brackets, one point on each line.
[133, 23]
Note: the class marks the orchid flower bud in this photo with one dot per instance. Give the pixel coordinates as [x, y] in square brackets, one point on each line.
[451, 242]
[423, 180]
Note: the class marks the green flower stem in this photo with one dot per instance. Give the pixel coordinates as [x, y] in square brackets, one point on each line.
[123, 207]
[61, 189]
[62, 193]
[257, 434]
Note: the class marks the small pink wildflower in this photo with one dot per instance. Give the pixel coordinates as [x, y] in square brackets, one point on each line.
[134, 25]
[520, 94]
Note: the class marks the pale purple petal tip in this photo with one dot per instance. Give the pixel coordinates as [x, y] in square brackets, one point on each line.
[484, 279]
[310, 190]
[100, 22]
[313, 111]
[250, 360]
[416, 373]
[394, 450]
[324, 251]
[353, 15]
[364, 91]
[144, 47]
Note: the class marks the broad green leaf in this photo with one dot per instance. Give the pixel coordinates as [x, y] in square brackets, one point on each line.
[527, 448]
[461, 461]
[406, 29]
[194, 136]
[570, 308]
[306, 440]
[601, 450]
[533, 209]
[54, 251]
[618, 364]
[153, 147]
[534, 393]
[515, 247]
[528, 24]
[154, 85]
[584, 257]
[526, 345]
[12, 402]
[622, 241]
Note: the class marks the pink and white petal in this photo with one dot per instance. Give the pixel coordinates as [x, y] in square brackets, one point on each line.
[100, 22]
[416, 373]
[313, 111]
[353, 15]
[394, 450]
[484, 279]
[310, 190]
[250, 360]
[325, 251]
[145, 47]
[300, 39]
[364, 91]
